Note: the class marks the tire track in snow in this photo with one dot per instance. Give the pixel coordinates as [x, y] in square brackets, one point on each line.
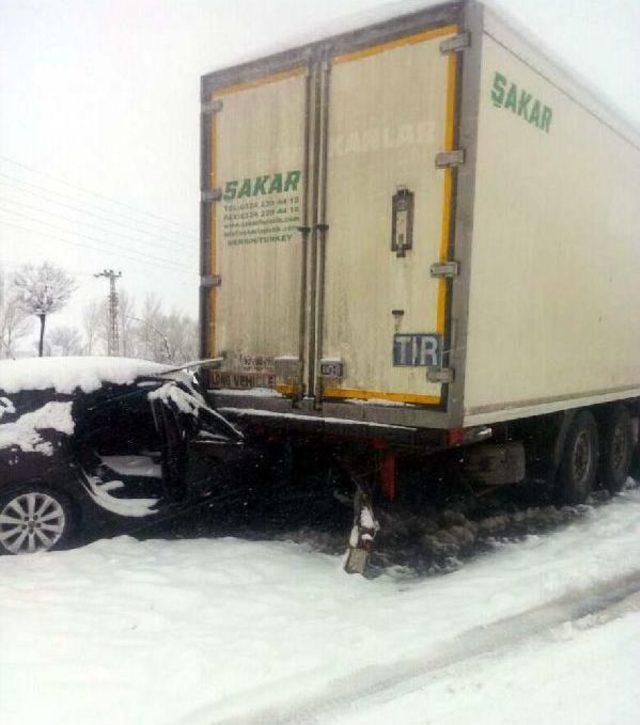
[612, 598]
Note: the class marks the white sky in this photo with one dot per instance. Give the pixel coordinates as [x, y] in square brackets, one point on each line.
[105, 95]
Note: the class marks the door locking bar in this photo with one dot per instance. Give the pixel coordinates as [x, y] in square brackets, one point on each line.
[446, 159]
[445, 270]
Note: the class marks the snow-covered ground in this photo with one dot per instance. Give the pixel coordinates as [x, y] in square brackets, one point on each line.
[215, 630]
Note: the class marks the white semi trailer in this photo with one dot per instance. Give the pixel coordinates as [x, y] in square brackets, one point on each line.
[425, 234]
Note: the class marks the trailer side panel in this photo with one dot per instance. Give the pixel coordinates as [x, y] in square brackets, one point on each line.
[553, 320]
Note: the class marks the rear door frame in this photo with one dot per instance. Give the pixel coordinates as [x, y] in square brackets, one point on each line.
[469, 17]
[215, 88]
[338, 53]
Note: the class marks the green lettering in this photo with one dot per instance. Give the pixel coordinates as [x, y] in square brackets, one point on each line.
[535, 114]
[512, 98]
[230, 189]
[276, 184]
[258, 187]
[520, 102]
[245, 189]
[497, 92]
[291, 182]
[523, 104]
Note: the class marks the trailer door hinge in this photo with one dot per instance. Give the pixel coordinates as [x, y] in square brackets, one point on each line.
[214, 106]
[445, 159]
[445, 270]
[211, 195]
[456, 43]
[440, 375]
[211, 280]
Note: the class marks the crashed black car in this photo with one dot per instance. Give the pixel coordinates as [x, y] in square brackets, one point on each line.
[94, 445]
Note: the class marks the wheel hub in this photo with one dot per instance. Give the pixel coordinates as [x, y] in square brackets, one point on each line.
[582, 456]
[31, 522]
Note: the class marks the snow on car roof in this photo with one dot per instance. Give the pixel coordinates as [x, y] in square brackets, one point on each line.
[66, 374]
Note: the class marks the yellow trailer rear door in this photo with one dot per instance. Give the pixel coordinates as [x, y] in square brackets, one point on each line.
[391, 111]
[257, 164]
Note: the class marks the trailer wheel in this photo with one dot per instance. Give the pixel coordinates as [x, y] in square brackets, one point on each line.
[617, 448]
[579, 463]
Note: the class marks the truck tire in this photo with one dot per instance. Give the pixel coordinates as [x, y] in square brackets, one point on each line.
[579, 462]
[617, 448]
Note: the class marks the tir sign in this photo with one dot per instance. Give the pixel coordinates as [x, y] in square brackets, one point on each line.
[417, 350]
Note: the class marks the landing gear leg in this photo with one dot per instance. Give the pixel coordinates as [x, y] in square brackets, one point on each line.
[365, 528]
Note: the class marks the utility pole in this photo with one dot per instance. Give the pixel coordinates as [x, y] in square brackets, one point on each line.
[113, 341]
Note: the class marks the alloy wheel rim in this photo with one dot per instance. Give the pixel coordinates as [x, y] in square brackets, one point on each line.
[31, 522]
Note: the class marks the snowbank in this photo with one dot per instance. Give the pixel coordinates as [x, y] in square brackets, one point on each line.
[65, 374]
[206, 630]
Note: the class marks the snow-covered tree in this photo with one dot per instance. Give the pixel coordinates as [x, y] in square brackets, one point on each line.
[64, 341]
[92, 315]
[41, 291]
[146, 331]
[14, 325]
[14, 322]
[96, 325]
[126, 311]
[181, 332]
[151, 339]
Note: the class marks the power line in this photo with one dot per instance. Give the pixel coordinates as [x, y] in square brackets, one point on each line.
[152, 226]
[84, 190]
[119, 247]
[74, 221]
[75, 271]
[105, 217]
[88, 276]
[110, 247]
[97, 249]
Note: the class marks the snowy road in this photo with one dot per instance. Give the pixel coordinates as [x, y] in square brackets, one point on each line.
[580, 671]
[358, 697]
[204, 631]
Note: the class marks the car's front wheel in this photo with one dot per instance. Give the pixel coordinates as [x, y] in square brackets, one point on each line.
[33, 519]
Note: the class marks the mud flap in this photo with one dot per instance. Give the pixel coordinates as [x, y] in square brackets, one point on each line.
[365, 528]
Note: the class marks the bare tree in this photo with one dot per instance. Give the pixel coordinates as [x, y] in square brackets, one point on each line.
[92, 324]
[152, 343]
[145, 332]
[41, 291]
[14, 322]
[181, 332]
[64, 341]
[127, 325]
[14, 325]
[96, 325]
